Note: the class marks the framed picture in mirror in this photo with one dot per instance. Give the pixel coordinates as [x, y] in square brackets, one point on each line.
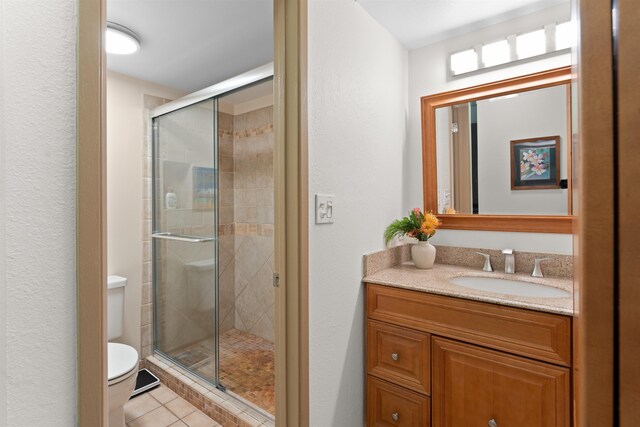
[535, 163]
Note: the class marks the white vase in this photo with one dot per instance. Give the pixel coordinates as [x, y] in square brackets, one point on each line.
[423, 254]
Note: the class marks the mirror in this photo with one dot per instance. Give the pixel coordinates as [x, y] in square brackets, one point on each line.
[490, 150]
[498, 156]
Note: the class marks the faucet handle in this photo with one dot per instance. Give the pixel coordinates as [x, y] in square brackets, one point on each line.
[537, 271]
[487, 262]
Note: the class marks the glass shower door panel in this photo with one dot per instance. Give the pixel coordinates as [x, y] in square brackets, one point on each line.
[185, 238]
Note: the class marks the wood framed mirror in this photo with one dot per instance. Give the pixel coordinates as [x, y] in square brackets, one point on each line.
[483, 145]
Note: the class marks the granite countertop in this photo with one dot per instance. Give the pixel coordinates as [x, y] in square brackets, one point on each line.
[437, 281]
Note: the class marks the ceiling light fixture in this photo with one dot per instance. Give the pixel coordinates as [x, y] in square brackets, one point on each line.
[120, 40]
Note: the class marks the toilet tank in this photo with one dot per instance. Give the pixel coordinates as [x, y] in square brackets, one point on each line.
[115, 306]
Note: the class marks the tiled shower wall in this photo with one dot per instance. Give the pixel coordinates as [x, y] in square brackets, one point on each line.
[253, 212]
[226, 248]
[246, 246]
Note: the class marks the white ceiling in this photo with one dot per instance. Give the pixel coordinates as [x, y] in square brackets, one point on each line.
[191, 44]
[417, 23]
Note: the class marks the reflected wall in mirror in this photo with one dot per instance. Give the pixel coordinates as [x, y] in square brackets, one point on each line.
[483, 145]
[476, 144]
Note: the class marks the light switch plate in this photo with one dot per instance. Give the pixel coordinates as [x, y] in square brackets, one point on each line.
[324, 208]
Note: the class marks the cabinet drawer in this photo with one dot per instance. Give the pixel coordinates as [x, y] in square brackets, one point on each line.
[399, 355]
[390, 405]
[473, 385]
[542, 336]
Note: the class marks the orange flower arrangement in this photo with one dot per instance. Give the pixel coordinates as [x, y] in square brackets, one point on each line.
[419, 225]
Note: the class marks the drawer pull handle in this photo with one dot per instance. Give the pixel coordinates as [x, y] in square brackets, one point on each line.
[492, 423]
[394, 356]
[395, 416]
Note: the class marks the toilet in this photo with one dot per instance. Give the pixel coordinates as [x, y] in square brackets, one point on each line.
[122, 359]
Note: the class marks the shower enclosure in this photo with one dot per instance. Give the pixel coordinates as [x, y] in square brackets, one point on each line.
[213, 235]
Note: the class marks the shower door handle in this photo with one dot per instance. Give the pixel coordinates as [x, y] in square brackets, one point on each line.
[182, 238]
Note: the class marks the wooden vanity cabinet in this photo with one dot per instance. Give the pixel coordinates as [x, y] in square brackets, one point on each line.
[446, 362]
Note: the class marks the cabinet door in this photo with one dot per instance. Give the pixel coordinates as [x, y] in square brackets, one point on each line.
[473, 386]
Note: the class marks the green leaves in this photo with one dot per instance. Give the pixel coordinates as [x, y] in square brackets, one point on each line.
[416, 218]
[403, 226]
[399, 227]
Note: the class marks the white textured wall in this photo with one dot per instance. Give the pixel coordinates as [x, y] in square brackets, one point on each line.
[428, 76]
[125, 137]
[357, 113]
[37, 214]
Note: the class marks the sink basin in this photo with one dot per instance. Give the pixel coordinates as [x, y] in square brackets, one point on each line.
[510, 287]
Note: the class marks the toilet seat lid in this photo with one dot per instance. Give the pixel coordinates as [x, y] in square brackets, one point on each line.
[121, 359]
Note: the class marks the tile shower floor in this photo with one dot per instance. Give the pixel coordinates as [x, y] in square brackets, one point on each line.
[246, 365]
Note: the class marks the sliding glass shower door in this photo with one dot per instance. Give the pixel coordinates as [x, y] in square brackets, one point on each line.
[185, 237]
[213, 239]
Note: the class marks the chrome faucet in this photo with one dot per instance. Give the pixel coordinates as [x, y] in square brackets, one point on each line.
[487, 262]
[509, 261]
[537, 271]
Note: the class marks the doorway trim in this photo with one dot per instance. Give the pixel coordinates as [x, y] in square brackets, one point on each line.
[291, 213]
[628, 154]
[91, 265]
[606, 346]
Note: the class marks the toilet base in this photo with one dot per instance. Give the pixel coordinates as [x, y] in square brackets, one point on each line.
[116, 417]
[119, 394]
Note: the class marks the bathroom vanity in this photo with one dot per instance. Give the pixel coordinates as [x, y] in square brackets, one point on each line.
[457, 346]
[439, 354]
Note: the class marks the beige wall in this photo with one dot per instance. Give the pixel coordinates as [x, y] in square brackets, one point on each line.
[125, 216]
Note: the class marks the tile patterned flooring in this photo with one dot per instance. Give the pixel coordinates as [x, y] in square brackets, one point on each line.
[161, 407]
[246, 365]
